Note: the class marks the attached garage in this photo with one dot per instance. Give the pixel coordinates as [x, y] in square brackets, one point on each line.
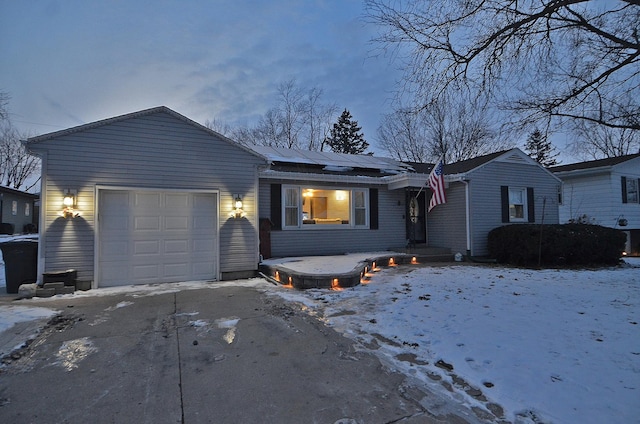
[149, 236]
[153, 197]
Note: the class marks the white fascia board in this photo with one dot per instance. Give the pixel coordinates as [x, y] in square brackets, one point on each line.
[396, 182]
[305, 176]
[584, 172]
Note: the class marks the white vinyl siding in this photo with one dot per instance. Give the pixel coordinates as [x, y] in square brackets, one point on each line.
[157, 151]
[597, 196]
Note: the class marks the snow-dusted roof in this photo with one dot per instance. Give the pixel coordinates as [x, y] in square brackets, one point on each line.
[335, 162]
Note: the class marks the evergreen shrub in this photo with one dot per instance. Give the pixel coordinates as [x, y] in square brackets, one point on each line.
[559, 244]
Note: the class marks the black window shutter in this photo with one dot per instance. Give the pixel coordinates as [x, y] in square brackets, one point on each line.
[373, 208]
[623, 181]
[531, 205]
[504, 197]
[276, 206]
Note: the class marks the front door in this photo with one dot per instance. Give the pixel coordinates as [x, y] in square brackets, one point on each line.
[416, 217]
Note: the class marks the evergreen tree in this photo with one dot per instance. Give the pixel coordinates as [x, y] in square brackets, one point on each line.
[540, 149]
[346, 136]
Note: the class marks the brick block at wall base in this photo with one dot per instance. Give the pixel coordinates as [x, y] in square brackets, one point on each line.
[42, 292]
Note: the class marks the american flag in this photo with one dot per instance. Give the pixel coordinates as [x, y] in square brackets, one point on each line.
[436, 183]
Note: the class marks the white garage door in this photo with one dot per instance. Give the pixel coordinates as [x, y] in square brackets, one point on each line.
[156, 237]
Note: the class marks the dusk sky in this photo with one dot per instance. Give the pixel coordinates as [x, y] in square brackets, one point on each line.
[70, 62]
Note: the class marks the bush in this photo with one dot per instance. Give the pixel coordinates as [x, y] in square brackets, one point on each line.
[570, 244]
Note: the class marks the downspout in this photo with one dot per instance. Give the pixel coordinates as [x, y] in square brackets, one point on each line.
[467, 216]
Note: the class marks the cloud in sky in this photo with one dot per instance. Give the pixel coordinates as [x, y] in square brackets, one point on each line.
[69, 62]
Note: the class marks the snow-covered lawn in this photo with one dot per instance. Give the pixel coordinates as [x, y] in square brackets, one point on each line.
[548, 346]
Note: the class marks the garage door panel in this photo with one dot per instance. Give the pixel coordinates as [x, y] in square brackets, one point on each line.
[148, 237]
[146, 223]
[114, 223]
[177, 200]
[145, 272]
[114, 200]
[203, 223]
[148, 200]
[146, 247]
[204, 201]
[204, 246]
[179, 223]
[176, 270]
[176, 246]
[202, 269]
[115, 248]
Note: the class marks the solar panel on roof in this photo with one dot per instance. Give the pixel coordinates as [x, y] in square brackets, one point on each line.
[337, 160]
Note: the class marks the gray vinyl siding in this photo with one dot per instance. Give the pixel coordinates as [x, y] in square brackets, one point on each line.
[485, 197]
[301, 242]
[446, 222]
[156, 151]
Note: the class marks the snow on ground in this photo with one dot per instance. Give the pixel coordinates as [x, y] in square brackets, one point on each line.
[12, 314]
[321, 265]
[549, 346]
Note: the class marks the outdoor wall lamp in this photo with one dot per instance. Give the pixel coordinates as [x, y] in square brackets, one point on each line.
[238, 212]
[69, 202]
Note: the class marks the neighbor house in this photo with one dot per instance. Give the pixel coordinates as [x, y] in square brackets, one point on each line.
[147, 197]
[18, 213]
[603, 192]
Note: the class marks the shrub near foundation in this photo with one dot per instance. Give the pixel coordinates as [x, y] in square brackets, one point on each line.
[560, 244]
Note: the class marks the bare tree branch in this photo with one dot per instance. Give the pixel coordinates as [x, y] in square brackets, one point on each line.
[543, 59]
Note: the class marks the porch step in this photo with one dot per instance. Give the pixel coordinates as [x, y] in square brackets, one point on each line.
[429, 254]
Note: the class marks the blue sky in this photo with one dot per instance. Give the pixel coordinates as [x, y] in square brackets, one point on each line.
[70, 62]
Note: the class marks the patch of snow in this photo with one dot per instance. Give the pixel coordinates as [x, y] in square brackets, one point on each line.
[198, 323]
[556, 345]
[12, 314]
[119, 305]
[227, 322]
[325, 264]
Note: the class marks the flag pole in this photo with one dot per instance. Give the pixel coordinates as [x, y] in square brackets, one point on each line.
[436, 164]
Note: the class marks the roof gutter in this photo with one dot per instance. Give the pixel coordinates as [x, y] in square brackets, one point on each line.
[306, 176]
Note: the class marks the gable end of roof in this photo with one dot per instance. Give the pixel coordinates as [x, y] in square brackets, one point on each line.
[146, 112]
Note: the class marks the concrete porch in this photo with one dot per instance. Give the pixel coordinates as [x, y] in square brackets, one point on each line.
[286, 272]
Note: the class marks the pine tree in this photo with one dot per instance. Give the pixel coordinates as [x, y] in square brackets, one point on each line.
[540, 149]
[345, 136]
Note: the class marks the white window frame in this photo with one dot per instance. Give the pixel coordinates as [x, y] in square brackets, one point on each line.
[523, 192]
[285, 206]
[352, 208]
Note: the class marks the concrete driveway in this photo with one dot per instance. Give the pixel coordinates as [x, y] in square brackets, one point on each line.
[223, 355]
